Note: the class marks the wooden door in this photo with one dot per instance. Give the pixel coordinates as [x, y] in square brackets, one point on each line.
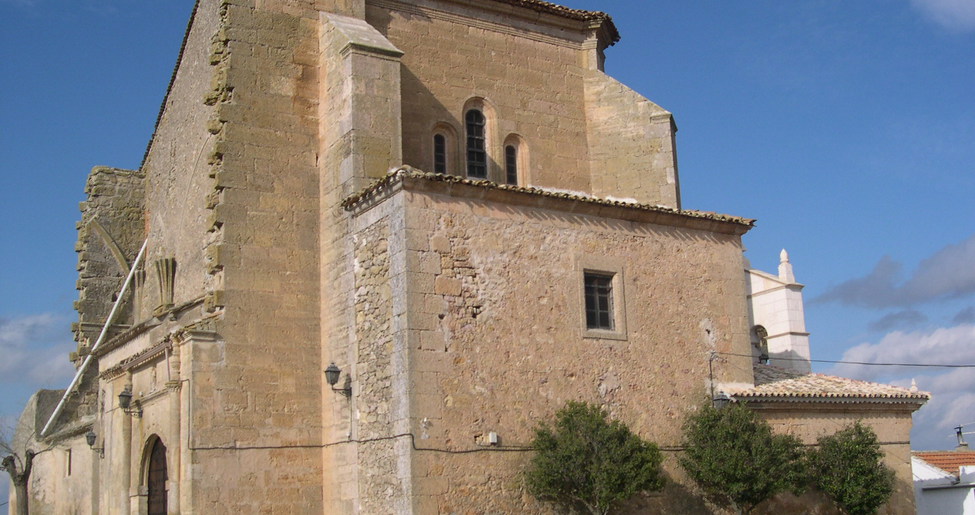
[156, 480]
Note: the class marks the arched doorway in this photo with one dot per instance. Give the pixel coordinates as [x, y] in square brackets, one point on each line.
[156, 477]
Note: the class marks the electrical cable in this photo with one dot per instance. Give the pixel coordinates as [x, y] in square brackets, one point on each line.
[508, 448]
[842, 362]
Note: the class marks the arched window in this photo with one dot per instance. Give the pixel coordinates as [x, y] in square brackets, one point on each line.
[515, 160]
[511, 164]
[476, 150]
[439, 153]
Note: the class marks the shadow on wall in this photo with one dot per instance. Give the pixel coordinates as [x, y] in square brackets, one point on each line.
[679, 499]
[675, 499]
[814, 502]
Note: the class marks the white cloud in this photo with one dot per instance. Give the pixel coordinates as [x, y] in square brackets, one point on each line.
[956, 15]
[900, 319]
[946, 274]
[952, 389]
[34, 350]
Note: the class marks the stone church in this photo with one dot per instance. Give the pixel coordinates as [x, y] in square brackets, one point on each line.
[374, 242]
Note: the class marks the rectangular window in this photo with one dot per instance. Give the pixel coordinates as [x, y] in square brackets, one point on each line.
[599, 301]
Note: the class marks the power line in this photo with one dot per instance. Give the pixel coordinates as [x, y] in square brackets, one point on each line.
[841, 362]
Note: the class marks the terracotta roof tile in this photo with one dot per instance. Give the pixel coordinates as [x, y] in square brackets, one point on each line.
[948, 461]
[404, 172]
[566, 12]
[774, 383]
[561, 10]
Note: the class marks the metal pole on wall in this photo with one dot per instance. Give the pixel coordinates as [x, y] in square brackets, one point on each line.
[101, 337]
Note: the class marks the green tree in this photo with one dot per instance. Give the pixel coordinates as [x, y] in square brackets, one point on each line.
[848, 467]
[586, 460]
[736, 460]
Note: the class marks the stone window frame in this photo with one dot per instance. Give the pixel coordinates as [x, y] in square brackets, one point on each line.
[449, 135]
[493, 150]
[517, 144]
[606, 266]
[439, 153]
[599, 300]
[475, 135]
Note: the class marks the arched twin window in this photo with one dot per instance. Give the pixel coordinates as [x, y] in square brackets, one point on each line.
[480, 155]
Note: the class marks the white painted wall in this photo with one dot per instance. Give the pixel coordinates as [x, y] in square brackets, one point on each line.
[938, 493]
[775, 302]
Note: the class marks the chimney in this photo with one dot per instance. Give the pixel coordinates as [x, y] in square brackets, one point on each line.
[962, 445]
[785, 268]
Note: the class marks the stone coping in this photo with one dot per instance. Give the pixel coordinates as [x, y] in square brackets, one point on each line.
[172, 81]
[780, 385]
[574, 202]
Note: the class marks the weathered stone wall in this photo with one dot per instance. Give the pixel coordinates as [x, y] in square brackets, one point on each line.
[176, 168]
[381, 403]
[62, 479]
[110, 233]
[536, 82]
[526, 76]
[360, 140]
[497, 337]
[632, 144]
[258, 425]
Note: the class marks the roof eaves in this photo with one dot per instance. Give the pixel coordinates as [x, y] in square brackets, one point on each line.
[406, 172]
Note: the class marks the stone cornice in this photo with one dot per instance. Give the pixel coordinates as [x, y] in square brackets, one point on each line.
[137, 360]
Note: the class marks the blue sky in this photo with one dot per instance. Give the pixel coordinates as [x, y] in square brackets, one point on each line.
[846, 128]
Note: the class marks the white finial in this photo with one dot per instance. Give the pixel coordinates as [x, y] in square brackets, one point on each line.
[913, 385]
[785, 268]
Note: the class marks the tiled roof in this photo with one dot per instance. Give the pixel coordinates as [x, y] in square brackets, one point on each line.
[561, 10]
[778, 384]
[948, 461]
[406, 172]
[566, 12]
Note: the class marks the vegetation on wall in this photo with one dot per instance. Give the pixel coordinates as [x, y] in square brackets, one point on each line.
[848, 467]
[737, 461]
[586, 461]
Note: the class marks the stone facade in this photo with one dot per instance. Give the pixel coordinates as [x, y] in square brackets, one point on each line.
[288, 228]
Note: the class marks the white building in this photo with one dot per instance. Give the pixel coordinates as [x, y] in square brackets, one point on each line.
[944, 482]
[777, 318]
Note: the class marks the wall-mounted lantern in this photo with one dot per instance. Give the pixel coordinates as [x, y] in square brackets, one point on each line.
[721, 400]
[91, 438]
[125, 402]
[332, 374]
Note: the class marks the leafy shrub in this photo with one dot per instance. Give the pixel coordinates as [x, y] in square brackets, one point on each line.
[735, 459]
[586, 460]
[848, 467]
